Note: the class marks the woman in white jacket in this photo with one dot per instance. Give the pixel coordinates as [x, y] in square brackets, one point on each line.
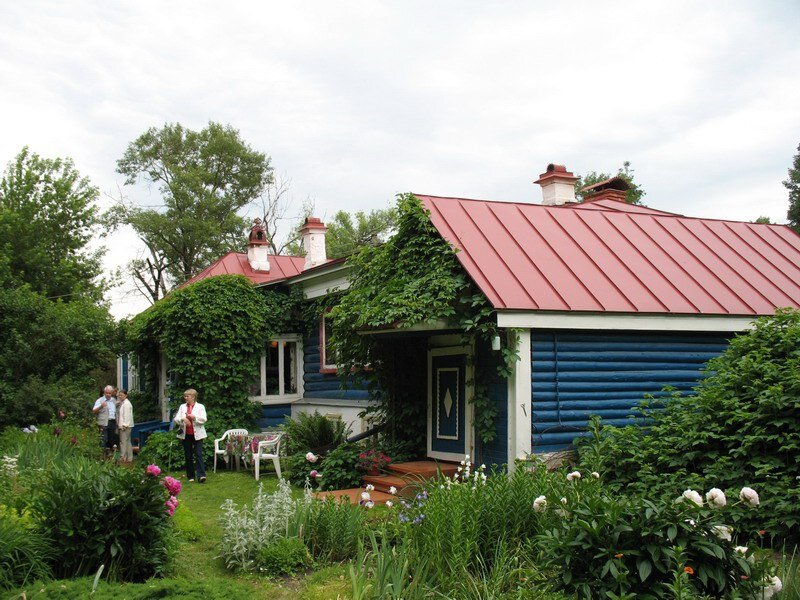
[191, 418]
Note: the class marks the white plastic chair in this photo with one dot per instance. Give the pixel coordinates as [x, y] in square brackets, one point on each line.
[220, 451]
[269, 449]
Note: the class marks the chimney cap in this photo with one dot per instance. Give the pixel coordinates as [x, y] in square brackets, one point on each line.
[554, 172]
[313, 224]
[258, 234]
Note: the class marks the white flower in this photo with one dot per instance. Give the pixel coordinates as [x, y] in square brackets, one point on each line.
[561, 512]
[573, 475]
[595, 474]
[564, 501]
[389, 504]
[774, 585]
[34, 429]
[716, 498]
[540, 504]
[365, 496]
[483, 466]
[723, 532]
[741, 549]
[369, 504]
[750, 496]
[466, 457]
[693, 496]
[311, 457]
[392, 490]
[369, 487]
[690, 522]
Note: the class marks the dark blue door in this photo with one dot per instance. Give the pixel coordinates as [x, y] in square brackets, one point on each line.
[448, 405]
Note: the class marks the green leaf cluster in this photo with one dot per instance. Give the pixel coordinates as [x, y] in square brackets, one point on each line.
[213, 333]
[741, 428]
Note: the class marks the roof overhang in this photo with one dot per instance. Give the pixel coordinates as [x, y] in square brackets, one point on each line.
[642, 322]
[437, 326]
[321, 280]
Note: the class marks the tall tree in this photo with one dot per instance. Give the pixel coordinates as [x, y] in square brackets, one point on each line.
[205, 177]
[47, 219]
[346, 235]
[634, 195]
[793, 185]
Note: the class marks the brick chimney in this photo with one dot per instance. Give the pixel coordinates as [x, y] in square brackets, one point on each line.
[313, 236]
[558, 185]
[258, 247]
[615, 188]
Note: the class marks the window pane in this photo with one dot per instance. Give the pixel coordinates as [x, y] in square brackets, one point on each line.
[290, 368]
[272, 368]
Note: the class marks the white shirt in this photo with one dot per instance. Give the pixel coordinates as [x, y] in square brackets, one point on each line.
[112, 406]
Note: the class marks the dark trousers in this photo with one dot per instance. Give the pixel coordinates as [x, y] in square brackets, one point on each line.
[111, 434]
[193, 451]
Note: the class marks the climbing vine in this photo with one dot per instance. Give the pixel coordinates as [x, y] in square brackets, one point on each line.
[414, 278]
[213, 333]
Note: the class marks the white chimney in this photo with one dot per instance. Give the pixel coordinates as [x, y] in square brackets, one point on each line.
[313, 235]
[558, 185]
[258, 247]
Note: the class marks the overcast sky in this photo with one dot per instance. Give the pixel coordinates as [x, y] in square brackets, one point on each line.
[357, 101]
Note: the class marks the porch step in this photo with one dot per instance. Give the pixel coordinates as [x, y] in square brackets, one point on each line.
[426, 469]
[353, 495]
[404, 485]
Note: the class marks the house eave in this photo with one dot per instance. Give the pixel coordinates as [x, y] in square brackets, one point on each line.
[620, 321]
[320, 281]
[436, 326]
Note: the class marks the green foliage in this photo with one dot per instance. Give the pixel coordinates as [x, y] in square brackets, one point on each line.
[345, 236]
[792, 184]
[219, 362]
[47, 219]
[25, 554]
[339, 468]
[163, 448]
[331, 529]
[97, 514]
[204, 177]
[176, 589]
[284, 556]
[313, 433]
[634, 194]
[187, 525]
[742, 428]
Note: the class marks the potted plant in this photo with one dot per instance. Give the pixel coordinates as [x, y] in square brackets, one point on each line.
[372, 461]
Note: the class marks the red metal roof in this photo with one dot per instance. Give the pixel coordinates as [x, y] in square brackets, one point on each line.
[234, 263]
[614, 257]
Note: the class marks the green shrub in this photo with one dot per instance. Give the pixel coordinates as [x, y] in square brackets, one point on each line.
[97, 514]
[331, 529]
[313, 433]
[25, 554]
[742, 428]
[339, 469]
[283, 556]
[163, 448]
[187, 525]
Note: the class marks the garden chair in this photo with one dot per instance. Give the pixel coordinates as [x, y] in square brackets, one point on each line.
[219, 445]
[269, 449]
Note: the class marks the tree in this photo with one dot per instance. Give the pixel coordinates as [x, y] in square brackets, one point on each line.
[345, 236]
[205, 177]
[634, 195]
[47, 218]
[793, 185]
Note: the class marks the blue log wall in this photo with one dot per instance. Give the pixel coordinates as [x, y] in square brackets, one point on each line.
[576, 374]
[272, 416]
[495, 452]
[325, 385]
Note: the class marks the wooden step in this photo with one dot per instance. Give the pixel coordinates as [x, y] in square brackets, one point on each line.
[406, 485]
[353, 495]
[427, 469]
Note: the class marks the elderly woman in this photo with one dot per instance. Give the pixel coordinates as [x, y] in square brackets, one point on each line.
[125, 424]
[191, 418]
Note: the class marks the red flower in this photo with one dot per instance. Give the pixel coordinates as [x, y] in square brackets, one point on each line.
[762, 532]
[688, 570]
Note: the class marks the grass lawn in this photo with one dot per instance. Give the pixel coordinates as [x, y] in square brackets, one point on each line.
[197, 570]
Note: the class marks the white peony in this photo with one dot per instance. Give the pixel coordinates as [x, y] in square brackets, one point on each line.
[723, 532]
[540, 504]
[716, 498]
[774, 585]
[311, 457]
[573, 475]
[741, 549]
[595, 474]
[750, 496]
[693, 496]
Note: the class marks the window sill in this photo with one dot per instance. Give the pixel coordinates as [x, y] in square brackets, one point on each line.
[270, 400]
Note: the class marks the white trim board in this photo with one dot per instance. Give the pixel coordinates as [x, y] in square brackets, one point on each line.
[571, 320]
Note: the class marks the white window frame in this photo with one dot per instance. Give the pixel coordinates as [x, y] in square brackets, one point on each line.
[324, 366]
[281, 398]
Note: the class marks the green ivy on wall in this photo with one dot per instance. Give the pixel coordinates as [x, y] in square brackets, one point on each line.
[213, 333]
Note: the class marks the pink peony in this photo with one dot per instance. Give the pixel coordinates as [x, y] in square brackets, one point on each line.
[173, 485]
[153, 470]
[311, 457]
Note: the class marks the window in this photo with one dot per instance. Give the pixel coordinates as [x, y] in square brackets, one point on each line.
[327, 357]
[280, 377]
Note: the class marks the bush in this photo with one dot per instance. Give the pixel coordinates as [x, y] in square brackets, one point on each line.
[339, 468]
[283, 556]
[98, 514]
[315, 433]
[187, 525]
[25, 554]
[165, 449]
[331, 529]
[742, 428]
